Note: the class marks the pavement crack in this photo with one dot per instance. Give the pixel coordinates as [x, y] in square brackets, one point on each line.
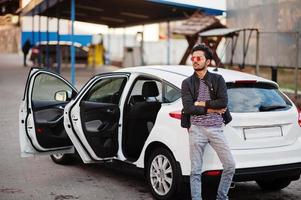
[65, 196]
[10, 190]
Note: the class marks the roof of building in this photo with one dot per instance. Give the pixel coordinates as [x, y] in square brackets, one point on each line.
[227, 32]
[197, 23]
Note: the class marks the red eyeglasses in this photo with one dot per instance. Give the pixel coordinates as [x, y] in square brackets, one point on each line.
[197, 58]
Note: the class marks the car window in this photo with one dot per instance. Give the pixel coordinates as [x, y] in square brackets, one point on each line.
[171, 93]
[45, 86]
[137, 89]
[107, 90]
[256, 97]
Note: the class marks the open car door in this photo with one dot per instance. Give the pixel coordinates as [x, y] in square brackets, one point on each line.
[41, 114]
[92, 120]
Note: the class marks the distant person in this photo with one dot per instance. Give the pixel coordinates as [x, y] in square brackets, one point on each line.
[25, 48]
[205, 99]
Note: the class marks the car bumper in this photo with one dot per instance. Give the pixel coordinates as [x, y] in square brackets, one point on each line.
[291, 171]
[287, 171]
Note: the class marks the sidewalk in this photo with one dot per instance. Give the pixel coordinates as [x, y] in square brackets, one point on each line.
[84, 74]
[12, 65]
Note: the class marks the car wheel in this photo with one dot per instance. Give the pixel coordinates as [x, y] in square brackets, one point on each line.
[276, 184]
[62, 159]
[163, 174]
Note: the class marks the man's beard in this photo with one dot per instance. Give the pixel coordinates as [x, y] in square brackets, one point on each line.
[198, 68]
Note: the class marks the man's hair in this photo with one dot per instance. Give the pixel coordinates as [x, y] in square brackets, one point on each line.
[202, 47]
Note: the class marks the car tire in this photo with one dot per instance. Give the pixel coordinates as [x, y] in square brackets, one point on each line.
[163, 174]
[63, 159]
[274, 185]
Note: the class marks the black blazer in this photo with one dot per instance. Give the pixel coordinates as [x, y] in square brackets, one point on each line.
[218, 94]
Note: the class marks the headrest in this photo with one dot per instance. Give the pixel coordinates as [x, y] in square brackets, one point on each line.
[150, 89]
[136, 98]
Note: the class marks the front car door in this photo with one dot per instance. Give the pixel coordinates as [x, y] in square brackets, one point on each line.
[41, 126]
[93, 122]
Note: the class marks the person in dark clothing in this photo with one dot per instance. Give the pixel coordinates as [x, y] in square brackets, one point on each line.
[205, 99]
[25, 48]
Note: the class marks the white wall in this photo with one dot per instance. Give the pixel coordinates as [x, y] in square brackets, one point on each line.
[154, 52]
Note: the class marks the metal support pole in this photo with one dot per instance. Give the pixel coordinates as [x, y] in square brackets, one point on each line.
[232, 51]
[243, 49]
[109, 46]
[124, 41]
[233, 47]
[47, 36]
[124, 37]
[58, 49]
[257, 53]
[39, 47]
[72, 48]
[297, 65]
[274, 73]
[142, 46]
[32, 30]
[168, 43]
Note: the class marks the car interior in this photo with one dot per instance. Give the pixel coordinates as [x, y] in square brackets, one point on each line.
[49, 124]
[48, 112]
[140, 114]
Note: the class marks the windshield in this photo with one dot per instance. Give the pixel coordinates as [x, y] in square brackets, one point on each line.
[256, 97]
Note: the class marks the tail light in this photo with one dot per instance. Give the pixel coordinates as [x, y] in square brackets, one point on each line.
[213, 173]
[175, 114]
[299, 117]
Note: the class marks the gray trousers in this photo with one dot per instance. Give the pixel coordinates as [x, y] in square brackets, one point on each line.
[199, 137]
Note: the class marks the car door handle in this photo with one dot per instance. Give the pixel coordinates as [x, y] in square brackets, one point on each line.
[56, 121]
[103, 126]
[60, 107]
[75, 119]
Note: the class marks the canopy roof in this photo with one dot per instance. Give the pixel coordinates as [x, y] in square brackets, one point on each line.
[116, 13]
[226, 32]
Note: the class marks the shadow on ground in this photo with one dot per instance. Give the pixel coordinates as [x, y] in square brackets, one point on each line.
[133, 177]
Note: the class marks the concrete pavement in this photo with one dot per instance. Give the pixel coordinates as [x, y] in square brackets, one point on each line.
[38, 178]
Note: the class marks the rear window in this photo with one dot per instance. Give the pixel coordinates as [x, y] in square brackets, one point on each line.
[255, 97]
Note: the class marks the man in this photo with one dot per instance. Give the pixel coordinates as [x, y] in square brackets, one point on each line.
[204, 97]
[25, 48]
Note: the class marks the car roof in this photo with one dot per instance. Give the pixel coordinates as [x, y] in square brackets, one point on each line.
[62, 43]
[177, 73]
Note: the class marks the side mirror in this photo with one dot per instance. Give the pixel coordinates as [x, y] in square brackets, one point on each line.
[61, 95]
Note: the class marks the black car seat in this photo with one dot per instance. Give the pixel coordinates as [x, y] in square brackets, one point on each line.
[142, 113]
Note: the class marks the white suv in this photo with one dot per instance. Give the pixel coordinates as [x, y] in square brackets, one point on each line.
[133, 115]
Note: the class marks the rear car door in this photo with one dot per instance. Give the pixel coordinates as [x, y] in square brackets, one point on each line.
[41, 123]
[93, 120]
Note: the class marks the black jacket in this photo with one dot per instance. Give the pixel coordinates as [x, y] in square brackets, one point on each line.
[218, 95]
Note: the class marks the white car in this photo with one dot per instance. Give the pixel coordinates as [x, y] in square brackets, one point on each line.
[133, 115]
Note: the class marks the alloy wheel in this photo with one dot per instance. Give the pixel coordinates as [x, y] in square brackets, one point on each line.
[161, 174]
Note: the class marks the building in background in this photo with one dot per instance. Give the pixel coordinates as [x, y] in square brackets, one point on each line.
[277, 21]
[117, 39]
